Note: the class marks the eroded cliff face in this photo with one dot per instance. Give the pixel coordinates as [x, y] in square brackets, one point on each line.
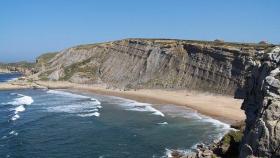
[262, 107]
[208, 66]
[142, 63]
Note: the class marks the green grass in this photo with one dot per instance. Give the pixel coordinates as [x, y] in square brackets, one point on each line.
[45, 58]
[44, 76]
[168, 42]
[233, 44]
[232, 136]
[69, 71]
[230, 143]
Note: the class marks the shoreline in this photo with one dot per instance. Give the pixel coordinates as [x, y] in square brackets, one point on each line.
[230, 115]
[223, 108]
[138, 95]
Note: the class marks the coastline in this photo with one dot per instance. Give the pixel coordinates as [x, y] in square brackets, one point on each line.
[223, 108]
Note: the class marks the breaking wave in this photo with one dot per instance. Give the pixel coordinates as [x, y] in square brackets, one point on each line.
[20, 102]
[13, 133]
[137, 106]
[162, 123]
[12, 79]
[87, 107]
[176, 111]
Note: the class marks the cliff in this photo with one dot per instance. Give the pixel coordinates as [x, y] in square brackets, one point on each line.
[262, 107]
[26, 68]
[154, 63]
[249, 71]
[261, 136]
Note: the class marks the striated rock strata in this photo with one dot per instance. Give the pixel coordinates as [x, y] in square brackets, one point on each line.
[262, 107]
[150, 63]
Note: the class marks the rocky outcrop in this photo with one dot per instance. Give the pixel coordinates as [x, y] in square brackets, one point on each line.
[262, 107]
[26, 68]
[227, 147]
[261, 94]
[150, 63]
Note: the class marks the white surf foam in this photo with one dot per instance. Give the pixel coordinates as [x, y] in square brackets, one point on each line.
[162, 123]
[168, 152]
[96, 101]
[17, 110]
[20, 102]
[20, 108]
[194, 147]
[13, 133]
[222, 127]
[85, 108]
[74, 108]
[68, 94]
[178, 111]
[215, 122]
[97, 114]
[12, 79]
[15, 117]
[13, 94]
[137, 106]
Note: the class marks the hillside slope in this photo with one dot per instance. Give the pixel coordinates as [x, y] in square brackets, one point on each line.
[155, 63]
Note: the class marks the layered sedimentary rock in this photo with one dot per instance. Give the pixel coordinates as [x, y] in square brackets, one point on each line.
[146, 63]
[209, 66]
[262, 107]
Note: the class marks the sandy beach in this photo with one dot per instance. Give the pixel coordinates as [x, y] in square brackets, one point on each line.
[223, 108]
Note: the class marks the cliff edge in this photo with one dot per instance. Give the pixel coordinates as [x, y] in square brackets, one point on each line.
[262, 107]
[217, 67]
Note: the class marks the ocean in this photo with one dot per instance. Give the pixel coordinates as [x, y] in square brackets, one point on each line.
[5, 77]
[61, 124]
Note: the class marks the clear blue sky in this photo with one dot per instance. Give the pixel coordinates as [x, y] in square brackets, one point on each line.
[31, 27]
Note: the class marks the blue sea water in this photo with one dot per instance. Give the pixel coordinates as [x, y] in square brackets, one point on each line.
[61, 124]
[4, 77]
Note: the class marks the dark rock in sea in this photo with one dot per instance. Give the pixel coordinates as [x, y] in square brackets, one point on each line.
[176, 154]
[227, 147]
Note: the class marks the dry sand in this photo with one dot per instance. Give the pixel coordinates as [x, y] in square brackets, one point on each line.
[223, 108]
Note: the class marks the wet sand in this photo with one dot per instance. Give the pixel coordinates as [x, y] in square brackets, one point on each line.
[224, 108]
